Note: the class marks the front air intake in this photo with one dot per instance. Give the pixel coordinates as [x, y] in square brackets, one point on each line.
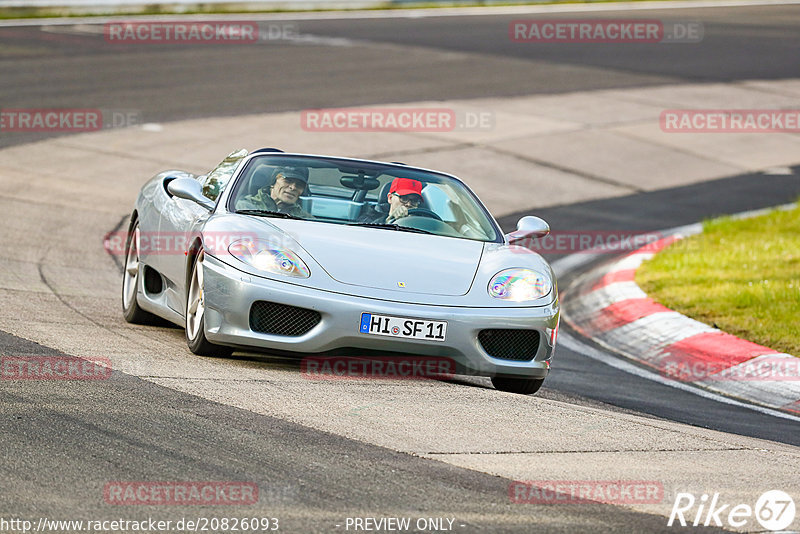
[281, 319]
[507, 344]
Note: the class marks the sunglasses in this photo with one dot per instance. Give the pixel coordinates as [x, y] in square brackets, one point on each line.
[408, 200]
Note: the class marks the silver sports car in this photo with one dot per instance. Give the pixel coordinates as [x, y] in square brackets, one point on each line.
[316, 255]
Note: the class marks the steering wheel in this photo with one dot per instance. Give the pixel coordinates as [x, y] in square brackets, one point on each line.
[423, 212]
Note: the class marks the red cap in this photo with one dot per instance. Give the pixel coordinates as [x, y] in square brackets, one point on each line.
[406, 186]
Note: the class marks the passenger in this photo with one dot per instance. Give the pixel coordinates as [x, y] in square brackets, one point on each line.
[282, 193]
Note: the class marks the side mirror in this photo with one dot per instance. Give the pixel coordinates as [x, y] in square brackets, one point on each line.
[190, 189]
[529, 227]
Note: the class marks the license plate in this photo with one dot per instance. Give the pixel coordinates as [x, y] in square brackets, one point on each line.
[402, 327]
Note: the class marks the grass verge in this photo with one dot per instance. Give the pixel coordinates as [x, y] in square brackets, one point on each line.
[741, 275]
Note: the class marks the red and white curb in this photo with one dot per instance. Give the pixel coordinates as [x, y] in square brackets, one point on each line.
[607, 306]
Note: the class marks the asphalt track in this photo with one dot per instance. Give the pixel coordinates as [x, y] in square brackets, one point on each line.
[377, 61]
[75, 437]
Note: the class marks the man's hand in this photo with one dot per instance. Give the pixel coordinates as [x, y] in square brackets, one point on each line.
[398, 212]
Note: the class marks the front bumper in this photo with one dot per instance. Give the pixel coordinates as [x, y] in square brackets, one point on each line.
[229, 294]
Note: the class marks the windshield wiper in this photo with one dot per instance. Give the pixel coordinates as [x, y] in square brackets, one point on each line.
[268, 213]
[394, 227]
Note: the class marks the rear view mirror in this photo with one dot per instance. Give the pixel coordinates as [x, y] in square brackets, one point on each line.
[190, 189]
[528, 227]
[361, 182]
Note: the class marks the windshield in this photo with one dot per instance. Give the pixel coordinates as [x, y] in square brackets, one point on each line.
[361, 194]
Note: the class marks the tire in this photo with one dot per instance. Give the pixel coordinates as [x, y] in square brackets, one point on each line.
[196, 317]
[130, 281]
[523, 386]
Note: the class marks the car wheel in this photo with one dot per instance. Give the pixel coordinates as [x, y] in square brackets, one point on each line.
[195, 315]
[523, 386]
[130, 281]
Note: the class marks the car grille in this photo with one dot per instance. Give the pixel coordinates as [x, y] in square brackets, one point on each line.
[282, 320]
[520, 345]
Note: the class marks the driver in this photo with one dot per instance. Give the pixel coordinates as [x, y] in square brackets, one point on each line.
[404, 194]
[282, 193]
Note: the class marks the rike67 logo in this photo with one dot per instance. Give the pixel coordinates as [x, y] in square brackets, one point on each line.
[774, 510]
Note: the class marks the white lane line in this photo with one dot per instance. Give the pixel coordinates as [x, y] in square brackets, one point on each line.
[778, 171]
[400, 13]
[623, 365]
[631, 261]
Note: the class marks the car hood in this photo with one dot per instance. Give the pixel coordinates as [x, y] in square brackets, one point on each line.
[388, 259]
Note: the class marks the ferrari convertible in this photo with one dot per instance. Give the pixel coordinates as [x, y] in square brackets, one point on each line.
[313, 255]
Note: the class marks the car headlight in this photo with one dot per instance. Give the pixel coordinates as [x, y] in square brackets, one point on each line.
[265, 256]
[519, 285]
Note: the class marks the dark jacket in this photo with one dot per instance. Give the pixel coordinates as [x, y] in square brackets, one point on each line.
[372, 216]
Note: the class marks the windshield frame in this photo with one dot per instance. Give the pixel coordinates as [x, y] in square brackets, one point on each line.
[233, 188]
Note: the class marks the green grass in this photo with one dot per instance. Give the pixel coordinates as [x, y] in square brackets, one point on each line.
[741, 275]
